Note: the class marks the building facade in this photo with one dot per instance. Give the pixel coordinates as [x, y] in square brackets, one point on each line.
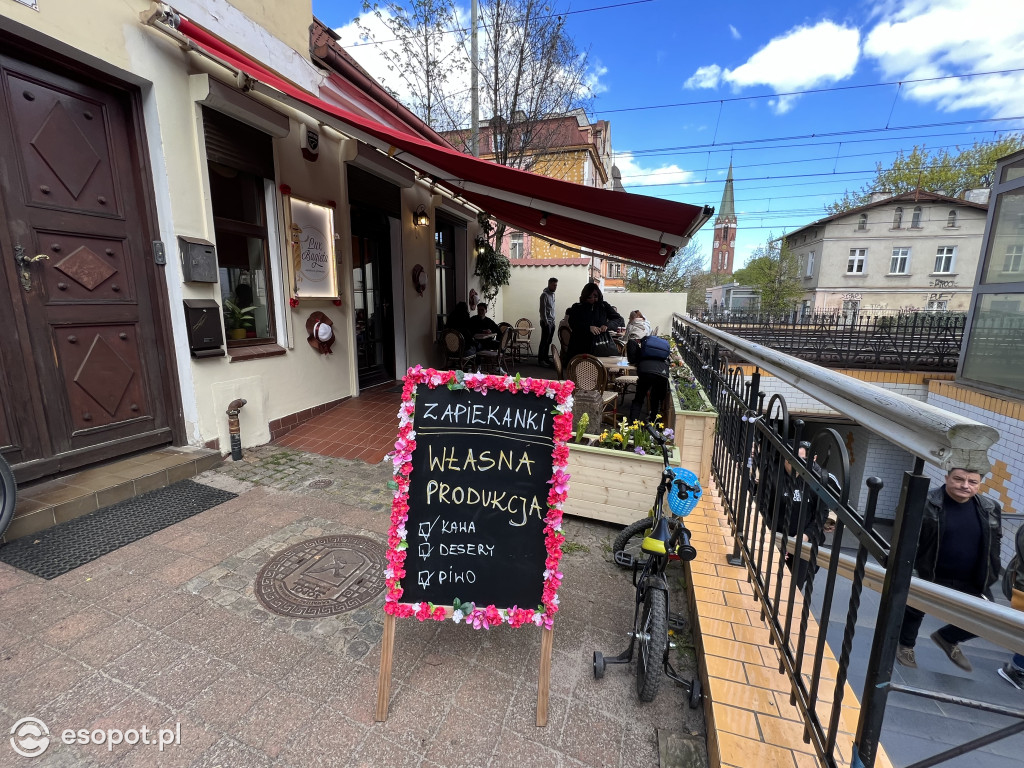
[915, 251]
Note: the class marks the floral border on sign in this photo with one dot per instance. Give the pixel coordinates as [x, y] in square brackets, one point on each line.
[469, 613]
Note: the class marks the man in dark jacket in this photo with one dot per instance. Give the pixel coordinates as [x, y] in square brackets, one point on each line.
[958, 548]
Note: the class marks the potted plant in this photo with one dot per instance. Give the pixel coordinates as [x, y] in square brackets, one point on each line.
[615, 472]
[692, 418]
[239, 319]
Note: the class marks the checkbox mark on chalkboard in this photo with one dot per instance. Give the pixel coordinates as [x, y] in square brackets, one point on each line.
[425, 550]
[424, 578]
[427, 528]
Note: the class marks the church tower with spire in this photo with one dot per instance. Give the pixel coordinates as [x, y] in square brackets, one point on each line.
[725, 232]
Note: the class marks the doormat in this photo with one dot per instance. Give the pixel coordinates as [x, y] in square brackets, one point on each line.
[55, 551]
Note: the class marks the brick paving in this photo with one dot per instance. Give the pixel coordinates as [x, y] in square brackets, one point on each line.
[167, 631]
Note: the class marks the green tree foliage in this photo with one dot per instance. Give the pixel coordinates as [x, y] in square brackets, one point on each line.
[775, 272]
[943, 172]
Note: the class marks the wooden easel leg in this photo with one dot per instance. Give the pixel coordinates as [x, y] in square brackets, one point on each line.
[544, 680]
[387, 647]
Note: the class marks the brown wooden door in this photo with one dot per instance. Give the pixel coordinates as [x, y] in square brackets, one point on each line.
[83, 375]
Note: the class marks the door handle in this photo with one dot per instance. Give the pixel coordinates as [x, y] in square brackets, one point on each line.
[24, 262]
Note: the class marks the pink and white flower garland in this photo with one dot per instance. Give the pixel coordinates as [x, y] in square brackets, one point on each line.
[479, 618]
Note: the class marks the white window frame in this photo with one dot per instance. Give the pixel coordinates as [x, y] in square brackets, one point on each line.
[915, 220]
[858, 261]
[809, 267]
[1013, 260]
[862, 223]
[516, 247]
[897, 218]
[900, 254]
[945, 255]
[937, 305]
[951, 219]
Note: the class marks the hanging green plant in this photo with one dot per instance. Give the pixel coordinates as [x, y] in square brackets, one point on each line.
[492, 267]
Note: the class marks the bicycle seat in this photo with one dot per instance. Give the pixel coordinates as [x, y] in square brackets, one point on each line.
[654, 543]
[685, 492]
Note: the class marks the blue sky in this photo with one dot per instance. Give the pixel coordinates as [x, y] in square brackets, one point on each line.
[687, 87]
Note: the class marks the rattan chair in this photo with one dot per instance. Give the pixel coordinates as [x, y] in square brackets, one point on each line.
[564, 334]
[453, 346]
[498, 360]
[587, 373]
[521, 343]
[556, 358]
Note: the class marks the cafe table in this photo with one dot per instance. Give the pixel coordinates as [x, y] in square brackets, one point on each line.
[617, 365]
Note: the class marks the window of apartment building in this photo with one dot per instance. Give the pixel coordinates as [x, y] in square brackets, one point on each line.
[936, 305]
[515, 245]
[805, 308]
[945, 258]
[862, 222]
[1014, 256]
[240, 160]
[951, 219]
[900, 262]
[809, 265]
[897, 218]
[857, 261]
[498, 141]
[732, 243]
[614, 269]
[716, 243]
[915, 220]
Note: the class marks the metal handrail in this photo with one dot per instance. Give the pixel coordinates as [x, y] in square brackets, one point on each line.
[946, 440]
[998, 624]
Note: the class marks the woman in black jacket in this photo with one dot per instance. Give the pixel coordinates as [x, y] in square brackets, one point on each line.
[588, 318]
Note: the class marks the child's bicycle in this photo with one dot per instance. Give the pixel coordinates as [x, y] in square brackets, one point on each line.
[663, 538]
[8, 494]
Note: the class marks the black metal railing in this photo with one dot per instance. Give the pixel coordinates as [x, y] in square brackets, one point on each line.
[905, 341]
[776, 501]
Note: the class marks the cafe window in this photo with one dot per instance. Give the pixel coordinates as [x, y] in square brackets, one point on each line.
[240, 160]
[444, 270]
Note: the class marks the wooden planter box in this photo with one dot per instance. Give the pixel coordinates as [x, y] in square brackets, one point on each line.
[614, 486]
[694, 435]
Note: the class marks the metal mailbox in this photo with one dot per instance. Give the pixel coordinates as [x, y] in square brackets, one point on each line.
[205, 330]
[198, 260]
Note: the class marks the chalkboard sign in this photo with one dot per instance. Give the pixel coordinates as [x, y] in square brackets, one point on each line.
[479, 486]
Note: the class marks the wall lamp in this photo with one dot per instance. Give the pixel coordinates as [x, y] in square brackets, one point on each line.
[543, 219]
[420, 218]
[481, 247]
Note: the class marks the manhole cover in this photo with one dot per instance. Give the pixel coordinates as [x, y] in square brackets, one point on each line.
[322, 577]
[323, 482]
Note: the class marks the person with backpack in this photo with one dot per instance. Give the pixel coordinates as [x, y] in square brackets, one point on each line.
[1013, 587]
[650, 357]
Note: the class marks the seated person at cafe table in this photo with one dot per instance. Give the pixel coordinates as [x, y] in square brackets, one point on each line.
[590, 320]
[459, 320]
[483, 330]
[637, 327]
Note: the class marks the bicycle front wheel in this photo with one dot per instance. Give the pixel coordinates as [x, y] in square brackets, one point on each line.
[8, 495]
[653, 639]
[630, 540]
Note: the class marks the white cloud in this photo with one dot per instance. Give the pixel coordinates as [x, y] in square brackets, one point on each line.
[705, 77]
[734, 32]
[916, 39]
[633, 173]
[805, 57]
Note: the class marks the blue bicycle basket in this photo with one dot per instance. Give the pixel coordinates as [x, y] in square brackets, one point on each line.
[685, 493]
